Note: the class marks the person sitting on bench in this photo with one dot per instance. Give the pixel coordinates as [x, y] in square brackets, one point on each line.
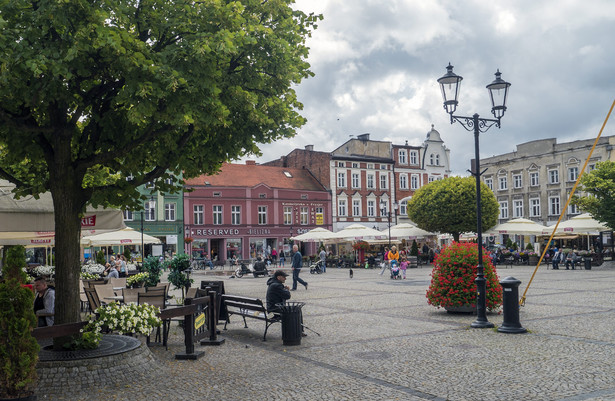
[259, 266]
[278, 293]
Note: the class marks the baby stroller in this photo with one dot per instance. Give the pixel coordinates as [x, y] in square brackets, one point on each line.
[316, 268]
[395, 271]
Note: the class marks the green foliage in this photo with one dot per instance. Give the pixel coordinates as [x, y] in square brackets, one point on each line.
[127, 254]
[177, 267]
[414, 250]
[514, 246]
[100, 258]
[87, 339]
[94, 92]
[529, 246]
[449, 206]
[509, 243]
[600, 183]
[151, 265]
[18, 349]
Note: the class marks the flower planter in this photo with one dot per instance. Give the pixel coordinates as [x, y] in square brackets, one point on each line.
[588, 263]
[460, 309]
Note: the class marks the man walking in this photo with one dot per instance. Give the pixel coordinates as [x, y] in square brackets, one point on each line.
[296, 265]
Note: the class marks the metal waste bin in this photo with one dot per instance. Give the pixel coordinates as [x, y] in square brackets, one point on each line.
[291, 322]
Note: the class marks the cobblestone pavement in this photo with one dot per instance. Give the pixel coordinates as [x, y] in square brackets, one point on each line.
[381, 341]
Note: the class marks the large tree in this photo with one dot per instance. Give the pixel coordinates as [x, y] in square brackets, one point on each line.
[600, 183]
[449, 206]
[92, 92]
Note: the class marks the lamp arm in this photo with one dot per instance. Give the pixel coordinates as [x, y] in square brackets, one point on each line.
[468, 123]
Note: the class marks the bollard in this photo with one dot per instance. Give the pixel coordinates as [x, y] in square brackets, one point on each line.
[190, 353]
[211, 322]
[510, 303]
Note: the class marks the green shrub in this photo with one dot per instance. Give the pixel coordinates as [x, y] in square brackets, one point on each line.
[414, 251]
[529, 246]
[18, 349]
[177, 266]
[152, 266]
[100, 258]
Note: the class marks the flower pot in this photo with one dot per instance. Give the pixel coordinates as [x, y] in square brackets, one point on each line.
[460, 309]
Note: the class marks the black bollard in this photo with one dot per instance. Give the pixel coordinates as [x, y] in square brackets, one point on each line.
[212, 320]
[510, 303]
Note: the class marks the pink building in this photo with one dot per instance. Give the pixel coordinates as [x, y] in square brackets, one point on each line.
[251, 209]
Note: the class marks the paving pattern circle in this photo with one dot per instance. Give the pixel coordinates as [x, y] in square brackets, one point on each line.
[109, 345]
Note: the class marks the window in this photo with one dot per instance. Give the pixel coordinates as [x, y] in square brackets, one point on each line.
[149, 185]
[128, 215]
[535, 207]
[502, 184]
[262, 196]
[341, 207]
[355, 180]
[554, 209]
[370, 181]
[384, 207]
[437, 160]
[431, 178]
[356, 207]
[341, 180]
[517, 208]
[288, 215]
[340, 164]
[355, 165]
[168, 181]
[534, 179]
[503, 209]
[402, 209]
[150, 211]
[402, 156]
[304, 215]
[235, 215]
[370, 166]
[197, 214]
[403, 181]
[384, 167]
[553, 176]
[489, 183]
[431, 159]
[219, 194]
[383, 181]
[517, 182]
[304, 196]
[414, 157]
[262, 215]
[573, 209]
[573, 173]
[371, 208]
[217, 215]
[414, 182]
[169, 212]
[590, 167]
[130, 177]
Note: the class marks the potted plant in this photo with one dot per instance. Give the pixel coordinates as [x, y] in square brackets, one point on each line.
[152, 266]
[179, 268]
[137, 280]
[18, 349]
[452, 279]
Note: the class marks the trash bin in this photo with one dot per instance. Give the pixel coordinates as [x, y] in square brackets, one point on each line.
[291, 322]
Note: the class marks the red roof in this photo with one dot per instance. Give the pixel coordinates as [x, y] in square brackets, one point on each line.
[250, 175]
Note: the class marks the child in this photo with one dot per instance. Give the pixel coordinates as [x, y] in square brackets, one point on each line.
[403, 266]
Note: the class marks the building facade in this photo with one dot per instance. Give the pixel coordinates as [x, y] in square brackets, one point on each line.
[250, 209]
[535, 181]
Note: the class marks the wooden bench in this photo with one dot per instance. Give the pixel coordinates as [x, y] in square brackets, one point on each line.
[248, 307]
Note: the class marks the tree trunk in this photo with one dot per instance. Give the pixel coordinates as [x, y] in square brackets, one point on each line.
[456, 236]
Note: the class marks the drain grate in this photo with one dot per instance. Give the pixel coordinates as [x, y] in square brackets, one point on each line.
[109, 345]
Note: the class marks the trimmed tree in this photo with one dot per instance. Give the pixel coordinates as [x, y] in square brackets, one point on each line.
[98, 98]
[600, 183]
[449, 206]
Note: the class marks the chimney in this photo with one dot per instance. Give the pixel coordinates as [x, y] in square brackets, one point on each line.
[309, 147]
[250, 162]
[363, 137]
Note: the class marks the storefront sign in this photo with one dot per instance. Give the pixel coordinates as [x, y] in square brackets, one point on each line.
[319, 219]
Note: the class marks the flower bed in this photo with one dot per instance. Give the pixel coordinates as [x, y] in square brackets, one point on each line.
[452, 279]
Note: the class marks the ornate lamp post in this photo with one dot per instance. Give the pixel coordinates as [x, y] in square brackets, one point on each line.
[385, 210]
[498, 92]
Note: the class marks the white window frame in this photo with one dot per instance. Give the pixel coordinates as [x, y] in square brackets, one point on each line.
[371, 180]
[402, 209]
[371, 208]
[304, 215]
[517, 181]
[341, 207]
[573, 209]
[402, 156]
[169, 211]
[503, 209]
[356, 180]
[216, 215]
[262, 215]
[356, 207]
[198, 215]
[553, 176]
[288, 215]
[517, 208]
[489, 183]
[384, 180]
[555, 207]
[403, 181]
[437, 160]
[341, 179]
[150, 211]
[502, 183]
[534, 207]
[573, 173]
[414, 181]
[414, 157]
[128, 215]
[534, 179]
[235, 215]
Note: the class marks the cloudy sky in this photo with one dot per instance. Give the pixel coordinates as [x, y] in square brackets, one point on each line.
[377, 62]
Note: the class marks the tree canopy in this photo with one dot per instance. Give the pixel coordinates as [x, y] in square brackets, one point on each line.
[600, 184]
[449, 206]
[95, 92]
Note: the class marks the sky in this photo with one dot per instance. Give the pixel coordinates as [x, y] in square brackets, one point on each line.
[376, 65]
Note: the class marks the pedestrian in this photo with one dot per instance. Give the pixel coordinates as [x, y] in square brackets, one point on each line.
[282, 259]
[323, 260]
[403, 266]
[557, 257]
[385, 257]
[44, 302]
[296, 265]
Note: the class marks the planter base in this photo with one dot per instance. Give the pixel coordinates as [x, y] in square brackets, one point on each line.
[466, 309]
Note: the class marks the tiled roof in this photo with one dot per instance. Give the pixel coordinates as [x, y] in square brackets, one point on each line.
[250, 175]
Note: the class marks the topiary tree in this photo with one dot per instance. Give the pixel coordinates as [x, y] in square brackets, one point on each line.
[529, 246]
[177, 276]
[127, 254]
[152, 266]
[414, 250]
[100, 257]
[509, 243]
[452, 280]
[18, 349]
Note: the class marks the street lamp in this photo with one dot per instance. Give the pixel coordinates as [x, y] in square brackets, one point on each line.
[498, 92]
[385, 210]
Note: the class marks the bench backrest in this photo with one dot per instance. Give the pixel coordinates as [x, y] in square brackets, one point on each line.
[240, 302]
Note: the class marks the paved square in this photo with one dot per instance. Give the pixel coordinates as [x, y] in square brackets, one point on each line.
[381, 341]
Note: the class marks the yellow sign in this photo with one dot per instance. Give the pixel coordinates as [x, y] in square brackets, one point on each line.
[319, 219]
[199, 321]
